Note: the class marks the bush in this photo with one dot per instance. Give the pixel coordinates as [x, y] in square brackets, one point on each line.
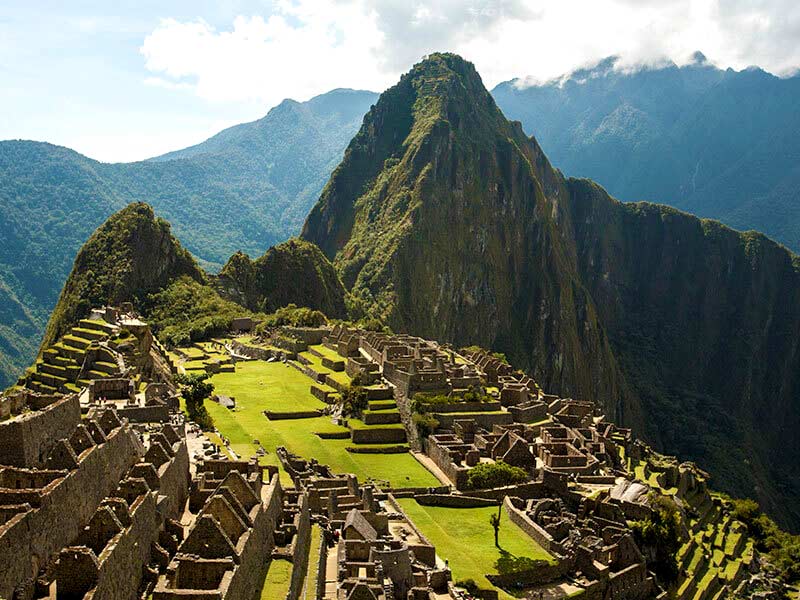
[293, 316]
[354, 400]
[188, 311]
[424, 401]
[426, 424]
[469, 585]
[194, 391]
[492, 475]
[782, 548]
[498, 355]
[661, 532]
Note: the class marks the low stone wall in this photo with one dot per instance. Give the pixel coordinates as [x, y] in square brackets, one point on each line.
[463, 407]
[543, 572]
[310, 335]
[279, 416]
[383, 393]
[384, 417]
[398, 449]
[454, 500]
[378, 436]
[145, 414]
[531, 489]
[333, 364]
[539, 535]
[486, 420]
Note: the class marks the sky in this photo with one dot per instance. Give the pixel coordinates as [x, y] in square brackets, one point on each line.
[126, 81]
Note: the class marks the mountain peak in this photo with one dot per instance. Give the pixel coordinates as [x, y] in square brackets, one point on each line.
[129, 256]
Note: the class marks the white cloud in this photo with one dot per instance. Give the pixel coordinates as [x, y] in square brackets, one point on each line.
[307, 47]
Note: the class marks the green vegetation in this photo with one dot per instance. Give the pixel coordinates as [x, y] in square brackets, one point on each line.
[661, 533]
[240, 190]
[295, 272]
[292, 315]
[496, 474]
[452, 530]
[782, 548]
[498, 355]
[130, 256]
[278, 580]
[423, 402]
[426, 424]
[194, 391]
[259, 386]
[436, 160]
[188, 311]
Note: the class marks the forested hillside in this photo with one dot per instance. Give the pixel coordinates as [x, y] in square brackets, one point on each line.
[247, 189]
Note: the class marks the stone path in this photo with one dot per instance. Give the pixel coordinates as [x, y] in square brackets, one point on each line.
[429, 464]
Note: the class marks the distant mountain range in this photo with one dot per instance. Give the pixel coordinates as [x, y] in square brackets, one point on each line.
[247, 188]
[722, 144]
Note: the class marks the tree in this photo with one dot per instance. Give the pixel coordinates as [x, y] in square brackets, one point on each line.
[494, 521]
[194, 390]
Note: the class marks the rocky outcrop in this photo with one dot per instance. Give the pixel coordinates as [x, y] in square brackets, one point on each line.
[452, 224]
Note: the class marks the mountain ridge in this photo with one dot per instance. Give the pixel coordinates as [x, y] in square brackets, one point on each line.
[52, 198]
[455, 226]
[719, 148]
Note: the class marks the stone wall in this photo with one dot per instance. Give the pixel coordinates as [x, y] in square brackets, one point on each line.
[26, 440]
[454, 500]
[463, 407]
[122, 561]
[539, 535]
[251, 572]
[300, 556]
[379, 436]
[27, 544]
[484, 420]
[144, 414]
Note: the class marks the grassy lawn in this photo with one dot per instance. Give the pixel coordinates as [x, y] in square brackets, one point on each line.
[327, 352]
[465, 538]
[279, 577]
[273, 386]
[247, 423]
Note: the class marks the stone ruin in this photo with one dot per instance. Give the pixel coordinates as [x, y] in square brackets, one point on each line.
[380, 554]
[86, 503]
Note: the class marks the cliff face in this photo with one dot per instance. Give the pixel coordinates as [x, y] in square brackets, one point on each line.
[128, 257]
[705, 323]
[452, 224]
[295, 272]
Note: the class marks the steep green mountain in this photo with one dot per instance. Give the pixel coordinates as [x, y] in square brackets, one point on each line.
[717, 143]
[245, 189]
[132, 255]
[453, 225]
[294, 272]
